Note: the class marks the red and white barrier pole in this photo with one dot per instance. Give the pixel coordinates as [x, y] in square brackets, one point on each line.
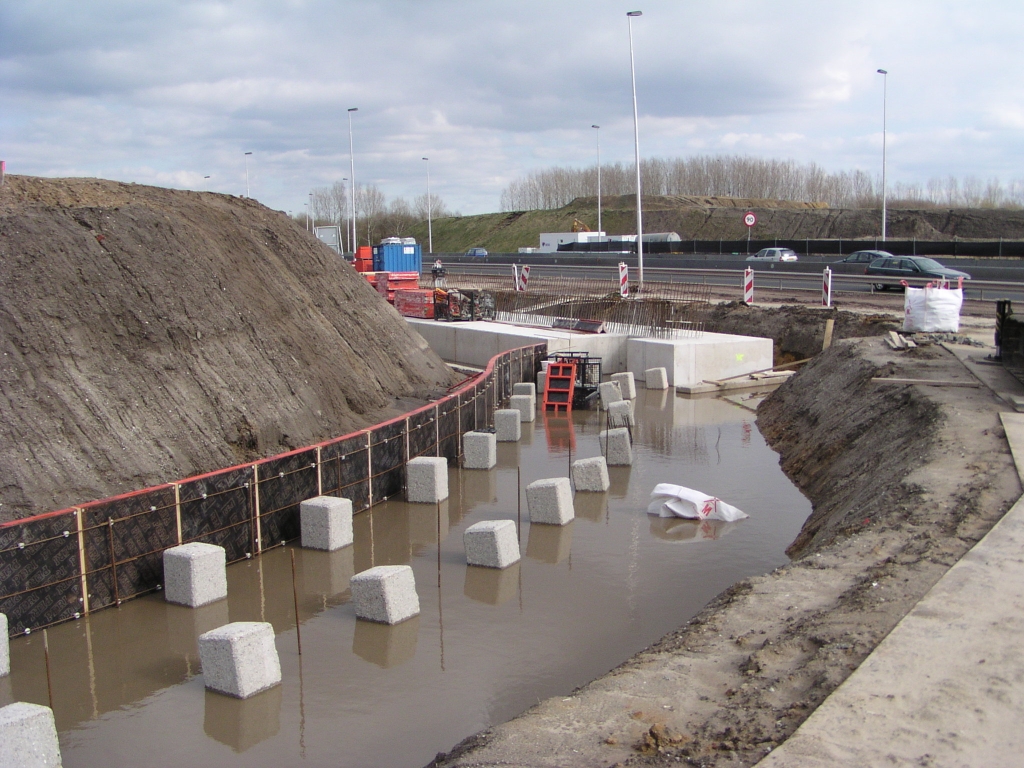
[623, 280]
[748, 285]
[516, 285]
[826, 287]
[524, 276]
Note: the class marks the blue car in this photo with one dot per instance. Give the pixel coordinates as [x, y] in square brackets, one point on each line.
[477, 252]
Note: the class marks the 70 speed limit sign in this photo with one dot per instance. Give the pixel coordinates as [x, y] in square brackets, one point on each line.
[750, 219]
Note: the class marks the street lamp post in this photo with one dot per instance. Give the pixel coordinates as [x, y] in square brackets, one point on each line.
[598, 129]
[348, 234]
[312, 223]
[430, 209]
[885, 87]
[352, 176]
[636, 144]
[247, 173]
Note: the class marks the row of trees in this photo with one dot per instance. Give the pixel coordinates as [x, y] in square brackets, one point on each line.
[376, 218]
[748, 177]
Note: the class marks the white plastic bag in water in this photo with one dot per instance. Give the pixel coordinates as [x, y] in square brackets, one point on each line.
[932, 310]
[669, 500]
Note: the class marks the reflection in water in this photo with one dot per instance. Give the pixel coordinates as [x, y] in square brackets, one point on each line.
[618, 478]
[591, 506]
[528, 427]
[549, 543]
[386, 645]
[424, 522]
[243, 723]
[682, 530]
[492, 585]
[508, 455]
[479, 485]
[325, 573]
[185, 625]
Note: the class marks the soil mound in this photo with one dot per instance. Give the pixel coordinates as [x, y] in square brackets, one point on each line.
[151, 334]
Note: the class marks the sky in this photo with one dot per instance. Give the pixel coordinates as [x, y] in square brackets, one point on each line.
[170, 92]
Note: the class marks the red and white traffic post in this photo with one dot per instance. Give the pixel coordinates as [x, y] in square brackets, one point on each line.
[623, 280]
[748, 285]
[524, 277]
[826, 287]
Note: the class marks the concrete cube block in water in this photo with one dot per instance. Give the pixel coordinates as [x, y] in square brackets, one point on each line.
[426, 479]
[28, 736]
[525, 388]
[620, 414]
[617, 447]
[240, 659]
[526, 405]
[591, 474]
[325, 522]
[508, 426]
[542, 381]
[627, 384]
[492, 544]
[5, 647]
[195, 574]
[656, 378]
[610, 393]
[385, 594]
[479, 450]
[550, 501]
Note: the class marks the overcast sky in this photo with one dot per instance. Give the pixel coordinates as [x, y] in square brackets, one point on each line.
[167, 92]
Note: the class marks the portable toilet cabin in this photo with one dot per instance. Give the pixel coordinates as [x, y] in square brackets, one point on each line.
[394, 255]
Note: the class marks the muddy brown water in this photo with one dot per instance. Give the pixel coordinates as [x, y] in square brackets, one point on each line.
[128, 689]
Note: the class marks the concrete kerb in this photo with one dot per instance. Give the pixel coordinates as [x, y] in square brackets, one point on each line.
[627, 384]
[385, 594]
[426, 480]
[28, 736]
[618, 449]
[591, 475]
[240, 659]
[549, 501]
[656, 378]
[479, 450]
[610, 392]
[492, 544]
[526, 405]
[195, 574]
[508, 427]
[325, 522]
[5, 647]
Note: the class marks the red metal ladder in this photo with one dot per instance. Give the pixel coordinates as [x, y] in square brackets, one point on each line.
[559, 386]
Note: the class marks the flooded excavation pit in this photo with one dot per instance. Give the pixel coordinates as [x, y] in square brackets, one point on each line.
[487, 643]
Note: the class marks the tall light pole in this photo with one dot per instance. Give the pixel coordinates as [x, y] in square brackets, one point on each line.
[348, 234]
[312, 223]
[430, 209]
[885, 87]
[352, 176]
[636, 144]
[247, 173]
[598, 129]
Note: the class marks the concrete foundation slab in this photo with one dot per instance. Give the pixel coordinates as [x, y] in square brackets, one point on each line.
[492, 544]
[195, 574]
[240, 659]
[617, 445]
[426, 479]
[656, 378]
[479, 450]
[28, 736]
[691, 361]
[385, 594]
[508, 427]
[590, 474]
[325, 522]
[550, 501]
[627, 384]
[526, 405]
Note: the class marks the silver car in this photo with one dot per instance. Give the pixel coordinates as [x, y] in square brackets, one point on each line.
[773, 254]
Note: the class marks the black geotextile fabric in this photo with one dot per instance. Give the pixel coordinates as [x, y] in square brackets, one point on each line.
[124, 538]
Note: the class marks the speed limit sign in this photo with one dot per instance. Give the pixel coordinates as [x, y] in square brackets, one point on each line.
[750, 219]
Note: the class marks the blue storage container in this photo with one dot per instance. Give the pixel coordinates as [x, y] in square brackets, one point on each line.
[398, 257]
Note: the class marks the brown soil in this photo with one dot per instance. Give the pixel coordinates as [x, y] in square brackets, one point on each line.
[903, 481]
[151, 334]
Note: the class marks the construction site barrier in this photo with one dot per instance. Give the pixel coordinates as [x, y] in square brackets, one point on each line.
[61, 565]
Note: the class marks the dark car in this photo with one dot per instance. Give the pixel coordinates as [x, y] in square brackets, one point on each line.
[477, 252]
[865, 257]
[907, 267]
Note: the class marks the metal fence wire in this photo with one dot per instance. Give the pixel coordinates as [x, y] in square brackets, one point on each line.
[61, 565]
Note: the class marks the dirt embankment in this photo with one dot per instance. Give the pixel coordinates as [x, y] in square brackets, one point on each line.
[150, 334]
[903, 481]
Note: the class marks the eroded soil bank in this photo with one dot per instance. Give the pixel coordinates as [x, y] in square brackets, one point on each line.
[903, 481]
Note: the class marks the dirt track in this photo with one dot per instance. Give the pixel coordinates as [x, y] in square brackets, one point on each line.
[152, 334]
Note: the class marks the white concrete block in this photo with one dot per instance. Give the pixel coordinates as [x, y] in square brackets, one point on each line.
[627, 384]
[492, 544]
[542, 381]
[508, 427]
[28, 736]
[656, 378]
[550, 501]
[590, 474]
[385, 594]
[240, 659]
[620, 414]
[426, 480]
[617, 447]
[195, 574]
[525, 388]
[5, 647]
[610, 393]
[325, 522]
[525, 404]
[479, 450]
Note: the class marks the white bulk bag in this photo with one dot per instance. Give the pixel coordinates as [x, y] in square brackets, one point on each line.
[669, 500]
[932, 310]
